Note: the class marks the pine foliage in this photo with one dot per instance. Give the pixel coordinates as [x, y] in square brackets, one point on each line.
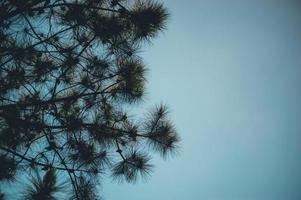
[69, 73]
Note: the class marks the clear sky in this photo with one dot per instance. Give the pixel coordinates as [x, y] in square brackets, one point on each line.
[230, 72]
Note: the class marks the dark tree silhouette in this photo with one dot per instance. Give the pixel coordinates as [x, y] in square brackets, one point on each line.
[69, 73]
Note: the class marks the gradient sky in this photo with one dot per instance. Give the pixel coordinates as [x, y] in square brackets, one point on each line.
[230, 72]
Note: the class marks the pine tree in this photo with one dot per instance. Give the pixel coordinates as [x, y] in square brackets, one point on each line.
[69, 74]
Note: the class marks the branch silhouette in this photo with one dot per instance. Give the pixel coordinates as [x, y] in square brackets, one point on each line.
[69, 74]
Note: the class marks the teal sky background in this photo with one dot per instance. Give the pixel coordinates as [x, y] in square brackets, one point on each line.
[230, 72]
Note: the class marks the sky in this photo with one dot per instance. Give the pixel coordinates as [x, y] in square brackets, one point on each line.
[229, 70]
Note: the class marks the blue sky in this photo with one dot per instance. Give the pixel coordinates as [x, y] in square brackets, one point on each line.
[230, 72]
